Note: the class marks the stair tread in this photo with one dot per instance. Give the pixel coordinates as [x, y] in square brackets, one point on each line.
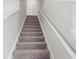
[31, 43]
[31, 24]
[39, 51]
[31, 40]
[32, 37]
[31, 28]
[32, 54]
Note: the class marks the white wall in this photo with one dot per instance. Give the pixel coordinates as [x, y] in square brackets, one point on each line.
[14, 16]
[58, 48]
[23, 9]
[62, 15]
[9, 7]
[11, 27]
[32, 6]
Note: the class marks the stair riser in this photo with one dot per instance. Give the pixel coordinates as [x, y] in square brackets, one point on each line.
[31, 40]
[31, 30]
[31, 34]
[31, 22]
[32, 19]
[26, 46]
[31, 26]
[31, 57]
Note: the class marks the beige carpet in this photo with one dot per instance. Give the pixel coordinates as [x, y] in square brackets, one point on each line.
[31, 43]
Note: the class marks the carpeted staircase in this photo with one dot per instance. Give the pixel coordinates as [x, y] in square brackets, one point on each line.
[31, 43]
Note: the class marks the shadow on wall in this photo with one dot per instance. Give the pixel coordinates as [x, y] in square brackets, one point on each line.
[33, 6]
[22, 5]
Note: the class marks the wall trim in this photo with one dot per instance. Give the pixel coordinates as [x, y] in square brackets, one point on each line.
[65, 44]
[10, 13]
[14, 45]
[48, 46]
